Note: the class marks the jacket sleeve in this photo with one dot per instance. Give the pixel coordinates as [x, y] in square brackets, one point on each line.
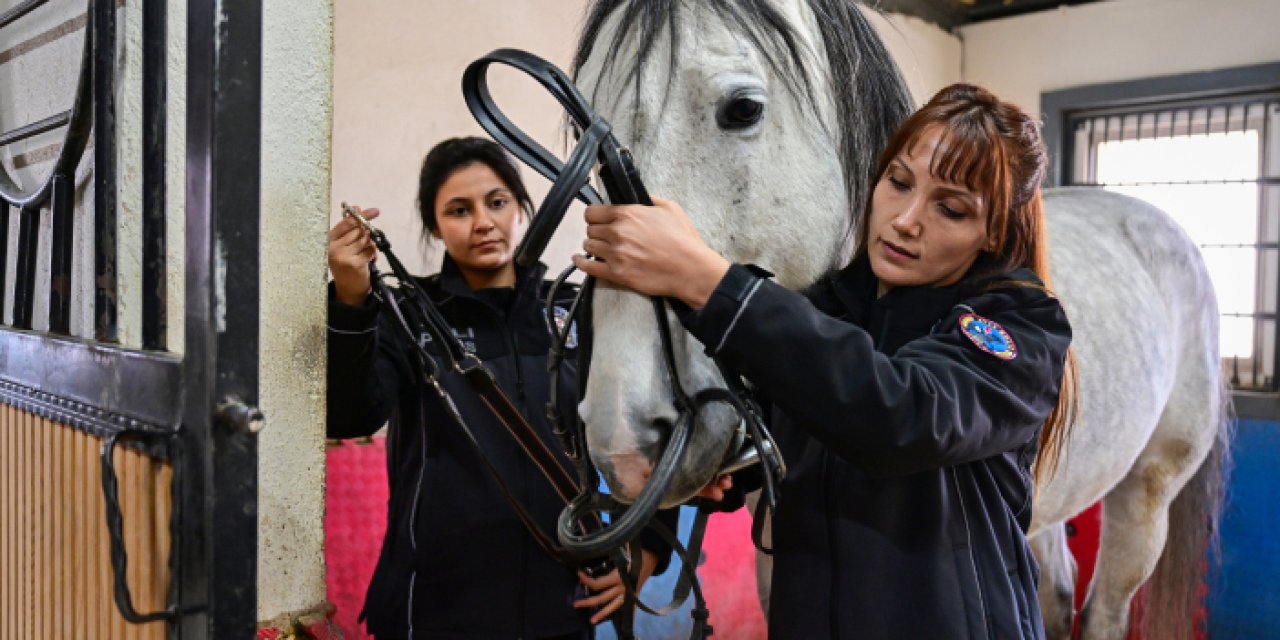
[938, 401]
[365, 371]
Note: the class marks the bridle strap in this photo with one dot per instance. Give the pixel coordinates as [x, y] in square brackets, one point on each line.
[420, 311]
[622, 183]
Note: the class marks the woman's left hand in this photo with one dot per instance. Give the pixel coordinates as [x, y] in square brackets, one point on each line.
[607, 590]
[651, 250]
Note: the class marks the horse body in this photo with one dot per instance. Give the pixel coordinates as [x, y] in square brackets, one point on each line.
[778, 193]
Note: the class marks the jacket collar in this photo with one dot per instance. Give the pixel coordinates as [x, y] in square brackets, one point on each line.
[905, 313]
[453, 284]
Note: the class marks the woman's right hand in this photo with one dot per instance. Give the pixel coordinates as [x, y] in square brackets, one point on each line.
[351, 249]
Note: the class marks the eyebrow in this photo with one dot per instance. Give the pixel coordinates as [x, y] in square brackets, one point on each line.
[962, 193]
[496, 190]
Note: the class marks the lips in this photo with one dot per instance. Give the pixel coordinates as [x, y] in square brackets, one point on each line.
[897, 251]
[487, 244]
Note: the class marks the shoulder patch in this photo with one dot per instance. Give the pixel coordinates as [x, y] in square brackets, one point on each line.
[988, 335]
[561, 317]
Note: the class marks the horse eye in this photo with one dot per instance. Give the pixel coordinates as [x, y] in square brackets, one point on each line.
[739, 113]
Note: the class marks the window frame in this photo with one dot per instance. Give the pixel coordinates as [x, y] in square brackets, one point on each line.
[1058, 107]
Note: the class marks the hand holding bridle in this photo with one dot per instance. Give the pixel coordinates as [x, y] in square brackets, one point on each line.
[654, 250]
[608, 592]
[351, 249]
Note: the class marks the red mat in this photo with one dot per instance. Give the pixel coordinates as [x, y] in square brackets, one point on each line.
[355, 520]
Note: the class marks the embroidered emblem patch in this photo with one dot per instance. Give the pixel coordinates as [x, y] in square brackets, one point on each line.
[561, 317]
[989, 336]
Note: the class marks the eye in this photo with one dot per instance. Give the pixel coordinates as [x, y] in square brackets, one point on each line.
[954, 214]
[498, 203]
[897, 184]
[740, 112]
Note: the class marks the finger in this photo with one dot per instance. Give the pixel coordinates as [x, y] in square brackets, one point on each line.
[352, 238]
[599, 231]
[593, 268]
[341, 228]
[599, 599]
[601, 214]
[597, 247]
[608, 610]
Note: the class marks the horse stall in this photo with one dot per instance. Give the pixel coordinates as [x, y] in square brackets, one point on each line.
[132, 318]
[1111, 81]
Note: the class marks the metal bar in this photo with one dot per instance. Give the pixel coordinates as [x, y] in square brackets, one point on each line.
[94, 388]
[219, 489]
[4, 255]
[1181, 183]
[1265, 171]
[35, 128]
[24, 282]
[62, 214]
[1246, 245]
[1146, 106]
[154, 88]
[104, 171]
[17, 12]
[1257, 315]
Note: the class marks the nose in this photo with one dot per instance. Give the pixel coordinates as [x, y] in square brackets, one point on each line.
[481, 222]
[908, 221]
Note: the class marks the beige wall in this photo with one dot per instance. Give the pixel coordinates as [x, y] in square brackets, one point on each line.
[297, 61]
[1020, 57]
[397, 75]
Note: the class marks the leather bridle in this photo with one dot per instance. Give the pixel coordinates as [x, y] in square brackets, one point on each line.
[597, 147]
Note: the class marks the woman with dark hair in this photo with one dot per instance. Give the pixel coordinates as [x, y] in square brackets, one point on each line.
[456, 562]
[936, 367]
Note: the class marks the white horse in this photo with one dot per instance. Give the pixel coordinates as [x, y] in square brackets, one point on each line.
[763, 118]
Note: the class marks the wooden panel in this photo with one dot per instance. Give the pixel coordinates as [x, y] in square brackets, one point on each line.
[55, 573]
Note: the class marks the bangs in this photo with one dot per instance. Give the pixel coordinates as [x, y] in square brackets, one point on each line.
[967, 154]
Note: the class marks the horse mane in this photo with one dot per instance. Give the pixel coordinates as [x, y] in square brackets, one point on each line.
[868, 92]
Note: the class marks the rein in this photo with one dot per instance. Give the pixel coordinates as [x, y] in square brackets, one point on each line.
[597, 147]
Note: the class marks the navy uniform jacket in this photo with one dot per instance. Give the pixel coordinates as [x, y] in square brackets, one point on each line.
[455, 554]
[908, 448]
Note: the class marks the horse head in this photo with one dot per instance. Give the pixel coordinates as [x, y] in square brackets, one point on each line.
[763, 119]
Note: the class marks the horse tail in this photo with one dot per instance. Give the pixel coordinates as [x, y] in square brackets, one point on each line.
[1174, 594]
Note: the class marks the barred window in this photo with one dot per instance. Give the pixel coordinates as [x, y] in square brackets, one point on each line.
[1214, 165]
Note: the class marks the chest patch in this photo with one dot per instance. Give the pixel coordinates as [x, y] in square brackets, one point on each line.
[561, 317]
[989, 336]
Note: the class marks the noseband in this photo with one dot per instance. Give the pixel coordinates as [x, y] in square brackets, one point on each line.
[598, 147]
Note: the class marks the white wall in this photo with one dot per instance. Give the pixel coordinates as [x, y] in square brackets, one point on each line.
[397, 91]
[297, 60]
[929, 57]
[1020, 57]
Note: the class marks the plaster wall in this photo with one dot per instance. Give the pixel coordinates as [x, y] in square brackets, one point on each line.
[397, 91]
[296, 120]
[929, 57]
[1020, 57]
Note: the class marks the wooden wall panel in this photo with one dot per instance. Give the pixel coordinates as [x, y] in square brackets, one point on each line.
[55, 573]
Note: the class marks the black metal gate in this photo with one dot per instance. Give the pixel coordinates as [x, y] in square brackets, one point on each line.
[192, 411]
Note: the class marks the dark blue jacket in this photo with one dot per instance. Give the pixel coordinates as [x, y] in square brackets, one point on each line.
[908, 446]
[454, 553]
